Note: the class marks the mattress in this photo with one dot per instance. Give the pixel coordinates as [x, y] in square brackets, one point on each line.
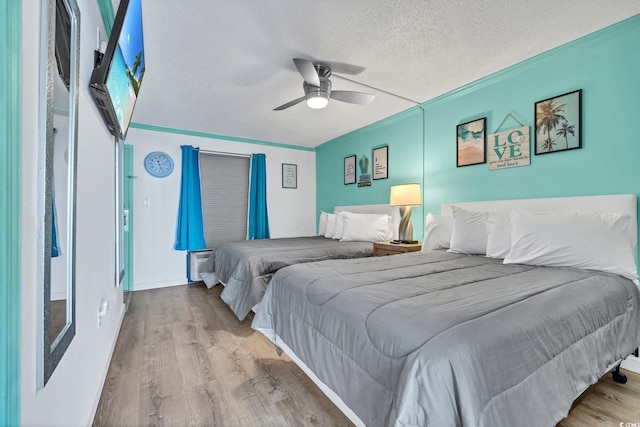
[245, 267]
[442, 339]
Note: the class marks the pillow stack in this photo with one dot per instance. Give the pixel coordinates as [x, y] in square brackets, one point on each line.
[590, 241]
[349, 226]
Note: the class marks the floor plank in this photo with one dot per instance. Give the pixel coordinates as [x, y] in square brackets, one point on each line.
[183, 358]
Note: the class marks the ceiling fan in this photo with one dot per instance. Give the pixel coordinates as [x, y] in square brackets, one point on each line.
[317, 87]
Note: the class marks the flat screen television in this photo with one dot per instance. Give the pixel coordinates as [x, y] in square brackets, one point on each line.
[115, 81]
[63, 42]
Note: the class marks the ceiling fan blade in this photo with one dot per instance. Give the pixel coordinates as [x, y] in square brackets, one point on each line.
[343, 68]
[308, 71]
[289, 104]
[352, 97]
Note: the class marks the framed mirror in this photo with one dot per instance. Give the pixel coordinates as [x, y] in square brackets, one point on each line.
[59, 44]
[122, 217]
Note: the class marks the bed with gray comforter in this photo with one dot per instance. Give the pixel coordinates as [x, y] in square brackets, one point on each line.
[246, 267]
[441, 339]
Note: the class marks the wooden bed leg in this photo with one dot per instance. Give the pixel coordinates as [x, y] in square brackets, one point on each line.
[618, 376]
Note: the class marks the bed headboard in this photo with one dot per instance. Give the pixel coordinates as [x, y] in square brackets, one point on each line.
[394, 211]
[624, 204]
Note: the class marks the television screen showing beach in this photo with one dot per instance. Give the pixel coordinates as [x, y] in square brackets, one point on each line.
[127, 67]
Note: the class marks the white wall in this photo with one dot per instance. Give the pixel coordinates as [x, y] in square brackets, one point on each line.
[73, 391]
[156, 263]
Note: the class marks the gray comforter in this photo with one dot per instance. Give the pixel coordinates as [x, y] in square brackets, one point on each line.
[441, 339]
[246, 267]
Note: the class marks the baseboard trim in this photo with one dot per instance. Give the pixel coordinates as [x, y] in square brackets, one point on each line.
[105, 369]
[631, 363]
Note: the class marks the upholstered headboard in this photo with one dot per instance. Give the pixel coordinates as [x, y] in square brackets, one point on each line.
[624, 204]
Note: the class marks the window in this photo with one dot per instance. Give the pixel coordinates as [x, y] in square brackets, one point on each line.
[224, 180]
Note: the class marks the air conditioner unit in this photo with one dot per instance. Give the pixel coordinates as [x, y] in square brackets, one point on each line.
[195, 262]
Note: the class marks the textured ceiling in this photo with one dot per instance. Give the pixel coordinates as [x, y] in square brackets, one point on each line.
[222, 66]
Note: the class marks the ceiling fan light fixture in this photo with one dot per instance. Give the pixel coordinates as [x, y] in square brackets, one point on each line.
[317, 88]
[317, 99]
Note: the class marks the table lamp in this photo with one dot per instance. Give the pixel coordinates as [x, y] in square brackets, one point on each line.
[405, 196]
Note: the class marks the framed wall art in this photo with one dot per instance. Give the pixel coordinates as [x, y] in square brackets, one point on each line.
[508, 149]
[558, 123]
[350, 170]
[471, 139]
[381, 162]
[289, 175]
[365, 176]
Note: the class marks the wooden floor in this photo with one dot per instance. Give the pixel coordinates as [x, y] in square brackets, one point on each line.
[183, 359]
[607, 403]
[57, 318]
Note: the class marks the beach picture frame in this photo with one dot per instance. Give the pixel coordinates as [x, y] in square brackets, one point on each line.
[471, 140]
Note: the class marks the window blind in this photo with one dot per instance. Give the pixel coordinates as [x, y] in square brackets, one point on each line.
[224, 180]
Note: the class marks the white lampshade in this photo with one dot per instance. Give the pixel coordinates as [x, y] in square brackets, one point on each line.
[405, 195]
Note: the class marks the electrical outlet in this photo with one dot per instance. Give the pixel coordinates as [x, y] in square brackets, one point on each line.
[146, 202]
[102, 311]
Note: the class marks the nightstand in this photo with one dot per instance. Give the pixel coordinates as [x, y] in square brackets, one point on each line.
[388, 248]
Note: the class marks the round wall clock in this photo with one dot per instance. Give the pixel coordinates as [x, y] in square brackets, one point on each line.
[158, 164]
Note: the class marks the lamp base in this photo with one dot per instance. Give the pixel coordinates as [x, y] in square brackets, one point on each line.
[405, 232]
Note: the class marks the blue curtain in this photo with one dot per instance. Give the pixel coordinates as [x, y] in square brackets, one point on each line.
[190, 229]
[258, 220]
[55, 248]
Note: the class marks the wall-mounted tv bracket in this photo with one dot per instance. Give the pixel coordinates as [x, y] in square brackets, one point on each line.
[98, 54]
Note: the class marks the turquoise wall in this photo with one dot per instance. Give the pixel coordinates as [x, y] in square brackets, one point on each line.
[108, 14]
[403, 135]
[10, 117]
[605, 65]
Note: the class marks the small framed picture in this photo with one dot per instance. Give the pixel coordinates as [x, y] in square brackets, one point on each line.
[380, 162]
[558, 123]
[289, 175]
[471, 139]
[350, 170]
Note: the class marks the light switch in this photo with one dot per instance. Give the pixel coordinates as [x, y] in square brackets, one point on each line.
[146, 202]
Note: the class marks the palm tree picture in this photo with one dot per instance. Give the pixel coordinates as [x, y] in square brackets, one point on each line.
[565, 130]
[548, 115]
[558, 123]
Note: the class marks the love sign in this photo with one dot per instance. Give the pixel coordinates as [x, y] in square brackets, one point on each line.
[509, 149]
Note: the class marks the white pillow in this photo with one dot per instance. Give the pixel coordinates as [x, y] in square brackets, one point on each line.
[339, 230]
[331, 226]
[469, 234]
[322, 224]
[589, 241]
[366, 227]
[498, 234]
[437, 232]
